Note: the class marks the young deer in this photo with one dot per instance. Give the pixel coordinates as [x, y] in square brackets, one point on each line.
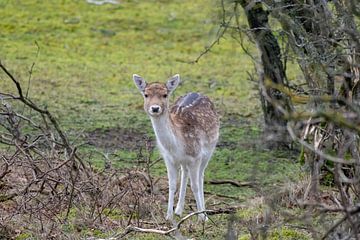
[186, 134]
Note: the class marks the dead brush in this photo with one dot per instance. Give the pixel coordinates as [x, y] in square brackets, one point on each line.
[291, 194]
[48, 190]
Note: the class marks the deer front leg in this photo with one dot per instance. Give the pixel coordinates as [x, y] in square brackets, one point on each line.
[172, 176]
[181, 202]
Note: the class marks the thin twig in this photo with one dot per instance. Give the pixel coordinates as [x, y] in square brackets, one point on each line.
[318, 152]
[29, 103]
[339, 222]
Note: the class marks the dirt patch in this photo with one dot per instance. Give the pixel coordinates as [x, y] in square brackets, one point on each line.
[118, 138]
[133, 139]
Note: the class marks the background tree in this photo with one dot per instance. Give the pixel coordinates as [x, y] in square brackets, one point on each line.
[322, 37]
[271, 68]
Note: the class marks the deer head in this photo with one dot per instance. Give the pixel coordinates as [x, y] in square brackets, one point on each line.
[156, 95]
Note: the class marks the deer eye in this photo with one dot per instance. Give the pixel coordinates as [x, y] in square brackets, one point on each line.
[145, 95]
[165, 95]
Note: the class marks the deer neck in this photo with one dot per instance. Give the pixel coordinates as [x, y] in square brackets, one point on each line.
[164, 131]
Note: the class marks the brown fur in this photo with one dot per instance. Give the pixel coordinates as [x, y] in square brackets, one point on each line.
[198, 120]
[195, 121]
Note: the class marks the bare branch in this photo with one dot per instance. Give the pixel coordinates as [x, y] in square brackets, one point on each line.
[130, 229]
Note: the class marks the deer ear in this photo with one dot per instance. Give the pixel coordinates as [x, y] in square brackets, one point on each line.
[139, 82]
[173, 82]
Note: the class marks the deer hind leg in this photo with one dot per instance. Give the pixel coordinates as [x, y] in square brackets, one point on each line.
[203, 165]
[172, 177]
[195, 187]
[181, 202]
[201, 185]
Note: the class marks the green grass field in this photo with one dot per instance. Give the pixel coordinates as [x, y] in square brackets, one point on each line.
[85, 56]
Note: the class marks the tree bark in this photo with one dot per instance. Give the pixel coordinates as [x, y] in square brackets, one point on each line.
[274, 103]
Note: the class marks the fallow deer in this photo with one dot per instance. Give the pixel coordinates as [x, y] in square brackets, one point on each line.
[186, 134]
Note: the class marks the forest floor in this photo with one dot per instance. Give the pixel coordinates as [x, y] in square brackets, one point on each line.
[85, 55]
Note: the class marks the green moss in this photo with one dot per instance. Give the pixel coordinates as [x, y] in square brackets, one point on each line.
[24, 236]
[114, 214]
[247, 214]
[288, 234]
[282, 233]
[244, 237]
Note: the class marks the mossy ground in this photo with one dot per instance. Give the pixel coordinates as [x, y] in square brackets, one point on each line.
[85, 56]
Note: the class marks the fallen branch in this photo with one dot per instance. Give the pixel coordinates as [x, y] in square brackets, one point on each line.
[222, 195]
[130, 229]
[231, 182]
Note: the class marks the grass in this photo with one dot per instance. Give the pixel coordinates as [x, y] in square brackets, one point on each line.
[85, 56]
[87, 72]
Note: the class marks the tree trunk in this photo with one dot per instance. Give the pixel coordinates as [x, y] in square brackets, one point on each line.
[274, 103]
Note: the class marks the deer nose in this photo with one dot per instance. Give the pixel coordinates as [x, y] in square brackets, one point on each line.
[155, 109]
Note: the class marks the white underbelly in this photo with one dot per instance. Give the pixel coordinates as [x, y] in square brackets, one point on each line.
[176, 155]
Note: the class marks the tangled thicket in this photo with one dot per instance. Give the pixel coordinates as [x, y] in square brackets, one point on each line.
[320, 110]
[45, 187]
